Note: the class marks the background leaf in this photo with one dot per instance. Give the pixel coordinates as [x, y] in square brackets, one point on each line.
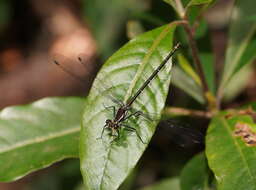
[207, 60]
[238, 83]
[247, 57]
[105, 25]
[105, 165]
[183, 81]
[183, 62]
[241, 31]
[195, 173]
[35, 136]
[186, 79]
[4, 14]
[192, 8]
[232, 162]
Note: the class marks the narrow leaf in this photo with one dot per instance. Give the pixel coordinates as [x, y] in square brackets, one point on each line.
[183, 62]
[248, 56]
[229, 155]
[207, 60]
[105, 165]
[35, 136]
[181, 80]
[238, 82]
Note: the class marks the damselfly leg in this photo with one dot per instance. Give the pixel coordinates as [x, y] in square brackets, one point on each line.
[122, 112]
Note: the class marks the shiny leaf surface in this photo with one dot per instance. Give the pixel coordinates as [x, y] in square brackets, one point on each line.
[36, 135]
[106, 163]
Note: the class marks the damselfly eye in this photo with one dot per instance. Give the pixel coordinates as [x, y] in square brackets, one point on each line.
[108, 121]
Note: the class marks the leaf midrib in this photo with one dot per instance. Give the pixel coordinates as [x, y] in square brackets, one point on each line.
[239, 150]
[132, 85]
[40, 139]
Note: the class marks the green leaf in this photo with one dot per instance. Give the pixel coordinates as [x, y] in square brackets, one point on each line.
[195, 173]
[231, 160]
[248, 56]
[183, 62]
[105, 165]
[189, 81]
[241, 31]
[195, 9]
[192, 8]
[172, 184]
[238, 83]
[207, 60]
[183, 81]
[36, 135]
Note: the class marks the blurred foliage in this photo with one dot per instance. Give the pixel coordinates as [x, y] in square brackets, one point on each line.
[172, 183]
[4, 13]
[198, 167]
[65, 176]
[107, 20]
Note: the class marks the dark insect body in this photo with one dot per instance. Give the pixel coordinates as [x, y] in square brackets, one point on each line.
[121, 115]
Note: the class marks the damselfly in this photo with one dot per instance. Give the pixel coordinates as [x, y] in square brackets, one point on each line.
[125, 111]
[121, 114]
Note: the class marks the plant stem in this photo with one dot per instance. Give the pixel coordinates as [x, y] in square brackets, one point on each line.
[180, 8]
[170, 111]
[176, 111]
[210, 99]
[195, 56]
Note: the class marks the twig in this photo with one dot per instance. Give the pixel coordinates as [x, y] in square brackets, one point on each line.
[210, 99]
[195, 55]
[186, 112]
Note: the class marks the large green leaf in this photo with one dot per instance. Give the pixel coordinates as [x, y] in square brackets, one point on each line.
[242, 28]
[105, 165]
[171, 183]
[35, 136]
[195, 173]
[229, 157]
